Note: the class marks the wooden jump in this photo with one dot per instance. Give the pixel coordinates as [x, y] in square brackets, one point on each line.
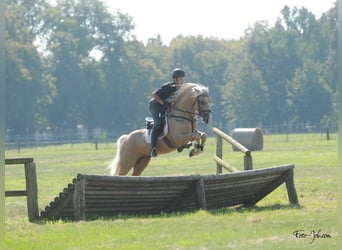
[100, 195]
[248, 165]
[31, 191]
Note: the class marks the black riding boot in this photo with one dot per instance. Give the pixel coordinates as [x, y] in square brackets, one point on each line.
[154, 138]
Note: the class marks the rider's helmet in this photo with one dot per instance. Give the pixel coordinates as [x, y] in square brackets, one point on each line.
[178, 72]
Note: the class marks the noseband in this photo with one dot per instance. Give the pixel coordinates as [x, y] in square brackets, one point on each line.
[201, 113]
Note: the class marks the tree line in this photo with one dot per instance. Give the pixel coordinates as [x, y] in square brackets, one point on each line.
[74, 63]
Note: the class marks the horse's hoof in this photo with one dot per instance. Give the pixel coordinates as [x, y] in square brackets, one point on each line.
[179, 150]
[192, 153]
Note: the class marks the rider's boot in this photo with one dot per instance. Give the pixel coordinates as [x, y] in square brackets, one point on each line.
[154, 138]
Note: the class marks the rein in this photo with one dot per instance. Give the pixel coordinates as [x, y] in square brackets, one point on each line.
[191, 120]
[183, 117]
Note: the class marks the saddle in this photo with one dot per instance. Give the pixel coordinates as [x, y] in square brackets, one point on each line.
[149, 126]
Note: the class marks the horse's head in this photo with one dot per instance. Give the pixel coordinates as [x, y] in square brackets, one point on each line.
[203, 102]
[193, 99]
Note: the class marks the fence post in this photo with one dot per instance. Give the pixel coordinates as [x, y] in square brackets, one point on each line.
[200, 193]
[219, 153]
[291, 189]
[79, 200]
[248, 163]
[32, 190]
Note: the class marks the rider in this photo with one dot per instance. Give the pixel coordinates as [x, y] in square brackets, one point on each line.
[158, 105]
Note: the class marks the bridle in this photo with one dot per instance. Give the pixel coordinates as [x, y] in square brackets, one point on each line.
[204, 112]
[191, 118]
[187, 116]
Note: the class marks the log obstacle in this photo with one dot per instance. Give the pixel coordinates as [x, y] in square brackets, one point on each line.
[100, 195]
[31, 191]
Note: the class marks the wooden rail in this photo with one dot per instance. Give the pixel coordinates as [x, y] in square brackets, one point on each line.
[248, 165]
[31, 191]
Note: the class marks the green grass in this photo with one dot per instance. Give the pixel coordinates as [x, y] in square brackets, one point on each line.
[269, 225]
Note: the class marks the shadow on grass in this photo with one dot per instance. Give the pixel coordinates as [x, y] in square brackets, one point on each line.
[179, 214]
[241, 209]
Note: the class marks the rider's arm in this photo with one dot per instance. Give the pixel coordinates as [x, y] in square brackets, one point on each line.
[157, 98]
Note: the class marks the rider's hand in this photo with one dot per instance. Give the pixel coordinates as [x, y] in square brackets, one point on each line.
[166, 105]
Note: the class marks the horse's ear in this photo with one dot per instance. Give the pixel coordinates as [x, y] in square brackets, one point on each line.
[195, 91]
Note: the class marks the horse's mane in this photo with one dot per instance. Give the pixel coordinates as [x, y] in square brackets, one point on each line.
[195, 88]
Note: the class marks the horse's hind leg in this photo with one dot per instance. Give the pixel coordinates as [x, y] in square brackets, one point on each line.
[140, 165]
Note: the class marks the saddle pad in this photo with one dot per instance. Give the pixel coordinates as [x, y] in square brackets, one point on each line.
[148, 132]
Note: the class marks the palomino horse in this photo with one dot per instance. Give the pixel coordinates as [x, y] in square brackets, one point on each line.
[188, 102]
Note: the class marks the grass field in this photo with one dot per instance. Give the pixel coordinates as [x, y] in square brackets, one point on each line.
[269, 225]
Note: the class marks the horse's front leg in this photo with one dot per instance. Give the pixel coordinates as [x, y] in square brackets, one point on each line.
[200, 139]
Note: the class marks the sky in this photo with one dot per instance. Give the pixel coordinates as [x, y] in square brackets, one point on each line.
[222, 19]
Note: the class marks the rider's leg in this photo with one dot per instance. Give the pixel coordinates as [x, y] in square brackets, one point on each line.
[155, 110]
[154, 139]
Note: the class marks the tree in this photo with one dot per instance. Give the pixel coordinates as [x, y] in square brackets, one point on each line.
[245, 96]
[310, 94]
[76, 30]
[29, 88]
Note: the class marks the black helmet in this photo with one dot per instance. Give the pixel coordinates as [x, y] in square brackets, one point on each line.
[178, 72]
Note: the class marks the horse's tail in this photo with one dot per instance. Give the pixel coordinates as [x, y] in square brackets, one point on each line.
[114, 165]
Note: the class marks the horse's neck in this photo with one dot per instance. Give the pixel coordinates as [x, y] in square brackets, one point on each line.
[185, 104]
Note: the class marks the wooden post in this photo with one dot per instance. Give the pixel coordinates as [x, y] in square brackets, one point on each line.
[291, 189]
[248, 163]
[219, 153]
[79, 200]
[200, 193]
[32, 190]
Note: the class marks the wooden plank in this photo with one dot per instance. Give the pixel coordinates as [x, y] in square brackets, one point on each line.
[17, 161]
[137, 185]
[174, 204]
[248, 174]
[138, 179]
[240, 183]
[224, 164]
[133, 191]
[266, 190]
[13, 193]
[232, 141]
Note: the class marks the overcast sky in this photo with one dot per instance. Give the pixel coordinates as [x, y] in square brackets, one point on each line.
[225, 19]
